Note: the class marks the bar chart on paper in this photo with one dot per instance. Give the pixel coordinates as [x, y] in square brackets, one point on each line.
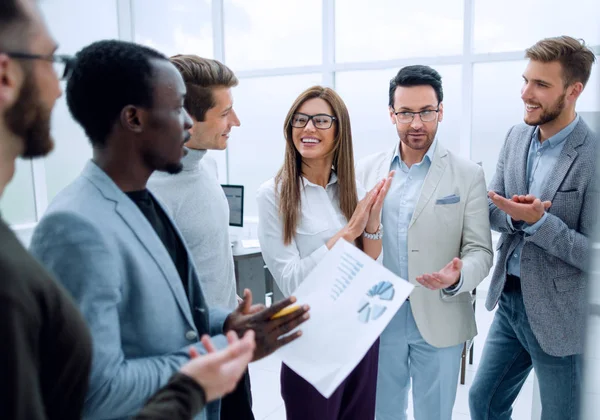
[348, 269]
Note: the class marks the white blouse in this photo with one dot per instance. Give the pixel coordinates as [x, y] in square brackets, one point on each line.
[320, 219]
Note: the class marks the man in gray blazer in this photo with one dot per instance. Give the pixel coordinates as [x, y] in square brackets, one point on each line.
[115, 249]
[543, 201]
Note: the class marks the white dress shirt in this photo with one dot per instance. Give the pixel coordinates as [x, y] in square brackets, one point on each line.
[320, 219]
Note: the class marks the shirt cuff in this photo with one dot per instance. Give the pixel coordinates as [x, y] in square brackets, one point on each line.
[532, 229]
[514, 226]
[451, 291]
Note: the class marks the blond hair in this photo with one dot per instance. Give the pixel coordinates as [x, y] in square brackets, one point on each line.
[574, 56]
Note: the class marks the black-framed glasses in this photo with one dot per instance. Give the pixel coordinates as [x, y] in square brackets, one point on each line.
[320, 121]
[406, 117]
[63, 64]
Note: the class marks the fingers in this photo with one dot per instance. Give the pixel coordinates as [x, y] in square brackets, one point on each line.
[276, 307]
[289, 322]
[232, 337]
[208, 344]
[236, 349]
[373, 193]
[193, 353]
[256, 308]
[547, 204]
[429, 282]
[247, 302]
[458, 264]
[287, 339]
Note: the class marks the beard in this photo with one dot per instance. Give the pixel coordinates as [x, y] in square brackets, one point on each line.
[172, 168]
[29, 119]
[550, 114]
[421, 144]
[158, 163]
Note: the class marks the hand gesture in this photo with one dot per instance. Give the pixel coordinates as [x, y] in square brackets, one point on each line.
[444, 278]
[218, 372]
[375, 214]
[526, 208]
[267, 331]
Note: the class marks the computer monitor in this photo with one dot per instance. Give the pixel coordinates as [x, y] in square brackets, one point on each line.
[235, 198]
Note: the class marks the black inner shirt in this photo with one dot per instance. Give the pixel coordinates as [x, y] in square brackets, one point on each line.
[165, 231]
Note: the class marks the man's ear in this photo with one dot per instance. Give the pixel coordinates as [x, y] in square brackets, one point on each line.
[392, 115]
[132, 119]
[11, 80]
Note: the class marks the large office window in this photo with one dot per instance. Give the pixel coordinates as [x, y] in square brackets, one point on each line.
[17, 204]
[269, 34]
[174, 26]
[390, 29]
[88, 22]
[514, 25]
[497, 106]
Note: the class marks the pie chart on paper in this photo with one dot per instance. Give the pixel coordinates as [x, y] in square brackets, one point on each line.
[373, 305]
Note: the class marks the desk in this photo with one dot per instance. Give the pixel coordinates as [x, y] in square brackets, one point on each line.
[252, 273]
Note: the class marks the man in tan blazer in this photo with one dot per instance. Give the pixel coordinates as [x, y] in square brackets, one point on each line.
[437, 236]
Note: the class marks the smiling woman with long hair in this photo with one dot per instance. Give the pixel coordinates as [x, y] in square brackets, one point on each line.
[311, 203]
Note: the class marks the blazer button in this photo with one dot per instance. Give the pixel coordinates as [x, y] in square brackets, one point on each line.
[191, 335]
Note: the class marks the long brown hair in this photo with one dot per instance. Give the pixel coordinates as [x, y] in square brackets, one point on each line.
[288, 179]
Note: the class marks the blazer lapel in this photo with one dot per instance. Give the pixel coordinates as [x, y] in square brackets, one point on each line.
[384, 168]
[564, 162]
[438, 166]
[521, 155]
[144, 231]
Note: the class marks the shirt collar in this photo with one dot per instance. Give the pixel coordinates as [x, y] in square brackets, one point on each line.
[332, 180]
[559, 137]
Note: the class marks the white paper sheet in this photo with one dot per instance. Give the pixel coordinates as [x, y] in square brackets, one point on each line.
[352, 299]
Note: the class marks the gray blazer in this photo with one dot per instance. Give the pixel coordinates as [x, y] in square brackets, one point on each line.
[103, 250]
[555, 258]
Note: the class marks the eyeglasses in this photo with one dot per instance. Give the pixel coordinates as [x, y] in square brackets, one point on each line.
[406, 117]
[320, 121]
[63, 64]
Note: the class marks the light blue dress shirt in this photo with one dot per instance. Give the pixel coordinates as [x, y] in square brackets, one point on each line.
[541, 160]
[398, 209]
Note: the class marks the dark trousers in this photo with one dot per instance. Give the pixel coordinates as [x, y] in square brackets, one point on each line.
[238, 404]
[354, 399]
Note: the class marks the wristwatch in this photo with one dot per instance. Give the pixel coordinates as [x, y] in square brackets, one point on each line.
[374, 236]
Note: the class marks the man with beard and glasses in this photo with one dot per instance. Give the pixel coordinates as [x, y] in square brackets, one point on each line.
[111, 243]
[46, 347]
[437, 236]
[542, 200]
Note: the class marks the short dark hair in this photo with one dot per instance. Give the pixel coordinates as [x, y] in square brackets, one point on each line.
[12, 18]
[417, 76]
[107, 76]
[201, 75]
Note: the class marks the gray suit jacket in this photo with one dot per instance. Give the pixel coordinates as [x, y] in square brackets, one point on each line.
[105, 252]
[555, 258]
